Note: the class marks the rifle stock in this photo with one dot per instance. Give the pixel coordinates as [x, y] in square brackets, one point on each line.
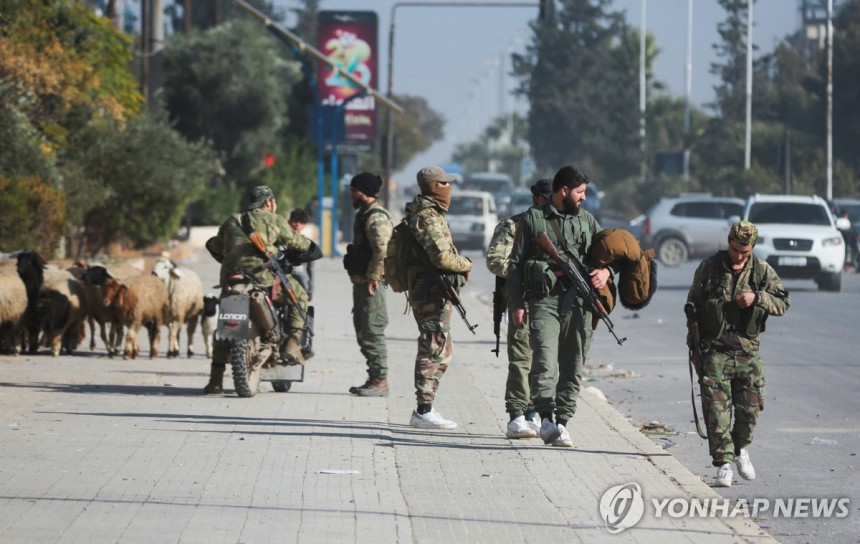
[582, 287]
[257, 239]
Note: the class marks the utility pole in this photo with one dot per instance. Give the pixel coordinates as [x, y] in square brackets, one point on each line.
[187, 16]
[688, 89]
[144, 49]
[829, 99]
[642, 95]
[747, 149]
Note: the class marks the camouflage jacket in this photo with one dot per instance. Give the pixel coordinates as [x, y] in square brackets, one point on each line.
[501, 245]
[371, 232]
[426, 219]
[713, 292]
[577, 231]
[233, 249]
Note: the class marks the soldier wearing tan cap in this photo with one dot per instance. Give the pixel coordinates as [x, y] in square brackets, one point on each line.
[732, 295]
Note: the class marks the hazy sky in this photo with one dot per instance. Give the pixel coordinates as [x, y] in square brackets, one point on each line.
[452, 56]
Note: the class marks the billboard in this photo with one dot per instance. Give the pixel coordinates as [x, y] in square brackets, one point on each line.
[350, 40]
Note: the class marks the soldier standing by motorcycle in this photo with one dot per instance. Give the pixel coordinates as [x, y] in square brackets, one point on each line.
[364, 263]
[233, 249]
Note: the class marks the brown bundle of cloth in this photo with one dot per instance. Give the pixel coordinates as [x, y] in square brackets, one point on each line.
[637, 280]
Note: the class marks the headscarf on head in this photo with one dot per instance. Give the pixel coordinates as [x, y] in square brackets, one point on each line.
[428, 181]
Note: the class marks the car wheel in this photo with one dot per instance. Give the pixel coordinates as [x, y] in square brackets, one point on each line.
[672, 252]
[830, 282]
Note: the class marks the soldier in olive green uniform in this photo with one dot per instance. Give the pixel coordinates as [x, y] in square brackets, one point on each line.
[233, 249]
[732, 294]
[425, 216]
[364, 262]
[560, 336]
[524, 421]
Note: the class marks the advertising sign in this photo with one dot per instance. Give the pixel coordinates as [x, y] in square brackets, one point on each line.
[349, 39]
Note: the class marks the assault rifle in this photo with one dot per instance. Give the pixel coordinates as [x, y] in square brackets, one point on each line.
[695, 358]
[580, 286]
[441, 279]
[273, 263]
[498, 311]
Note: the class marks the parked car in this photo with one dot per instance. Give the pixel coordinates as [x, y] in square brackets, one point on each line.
[521, 200]
[593, 199]
[472, 217]
[688, 226]
[495, 183]
[852, 206]
[798, 237]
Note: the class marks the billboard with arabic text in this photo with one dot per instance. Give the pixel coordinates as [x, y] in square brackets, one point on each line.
[349, 39]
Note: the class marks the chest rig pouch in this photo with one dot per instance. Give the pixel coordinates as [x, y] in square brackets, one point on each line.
[719, 316]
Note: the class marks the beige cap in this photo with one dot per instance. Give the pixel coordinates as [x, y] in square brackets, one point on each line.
[433, 173]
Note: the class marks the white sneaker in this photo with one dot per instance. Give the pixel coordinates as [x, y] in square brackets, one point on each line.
[431, 420]
[534, 422]
[724, 476]
[549, 431]
[745, 466]
[563, 440]
[519, 428]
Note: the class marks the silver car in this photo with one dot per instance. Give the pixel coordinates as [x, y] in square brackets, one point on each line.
[689, 226]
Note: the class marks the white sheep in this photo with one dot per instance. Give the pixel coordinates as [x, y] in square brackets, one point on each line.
[13, 304]
[185, 302]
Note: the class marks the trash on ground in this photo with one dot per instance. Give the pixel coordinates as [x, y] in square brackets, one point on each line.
[337, 471]
[822, 442]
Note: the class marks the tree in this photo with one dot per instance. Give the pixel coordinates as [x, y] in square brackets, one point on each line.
[500, 147]
[32, 215]
[151, 174]
[579, 76]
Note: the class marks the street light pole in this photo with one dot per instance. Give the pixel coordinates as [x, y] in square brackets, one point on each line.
[688, 88]
[747, 150]
[389, 136]
[829, 99]
[642, 95]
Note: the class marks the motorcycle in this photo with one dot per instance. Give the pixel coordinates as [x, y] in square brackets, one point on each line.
[252, 324]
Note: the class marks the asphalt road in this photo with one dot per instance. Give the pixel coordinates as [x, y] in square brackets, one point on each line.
[812, 372]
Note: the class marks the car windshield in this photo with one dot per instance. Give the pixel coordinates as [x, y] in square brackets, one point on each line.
[792, 213]
[466, 205]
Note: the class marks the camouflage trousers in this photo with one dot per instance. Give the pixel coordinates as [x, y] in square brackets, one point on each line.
[732, 381]
[294, 323]
[517, 392]
[370, 317]
[435, 348]
[559, 345]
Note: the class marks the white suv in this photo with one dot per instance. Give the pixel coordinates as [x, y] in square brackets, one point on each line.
[472, 218]
[798, 238]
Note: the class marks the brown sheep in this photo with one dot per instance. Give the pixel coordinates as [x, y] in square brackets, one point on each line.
[139, 301]
[94, 277]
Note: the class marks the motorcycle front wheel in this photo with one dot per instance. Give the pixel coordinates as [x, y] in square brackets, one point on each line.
[246, 378]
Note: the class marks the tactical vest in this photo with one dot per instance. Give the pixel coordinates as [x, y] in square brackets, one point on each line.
[720, 316]
[359, 252]
[539, 278]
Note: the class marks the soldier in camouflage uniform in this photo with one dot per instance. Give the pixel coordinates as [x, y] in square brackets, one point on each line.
[426, 218]
[560, 336]
[364, 262]
[233, 249]
[524, 421]
[733, 292]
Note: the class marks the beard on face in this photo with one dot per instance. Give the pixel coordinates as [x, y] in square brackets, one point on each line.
[570, 206]
[356, 203]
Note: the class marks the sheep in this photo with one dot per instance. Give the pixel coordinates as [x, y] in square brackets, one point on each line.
[139, 301]
[61, 308]
[209, 321]
[185, 302]
[94, 277]
[31, 269]
[13, 305]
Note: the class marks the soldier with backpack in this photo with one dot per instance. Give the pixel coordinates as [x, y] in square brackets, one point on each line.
[431, 305]
[732, 295]
[364, 263]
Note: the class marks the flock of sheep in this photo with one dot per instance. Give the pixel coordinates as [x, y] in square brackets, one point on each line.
[42, 304]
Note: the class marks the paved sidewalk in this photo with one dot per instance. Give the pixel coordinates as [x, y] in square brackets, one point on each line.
[97, 450]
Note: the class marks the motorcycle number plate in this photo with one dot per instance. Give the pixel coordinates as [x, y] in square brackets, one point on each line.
[234, 317]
